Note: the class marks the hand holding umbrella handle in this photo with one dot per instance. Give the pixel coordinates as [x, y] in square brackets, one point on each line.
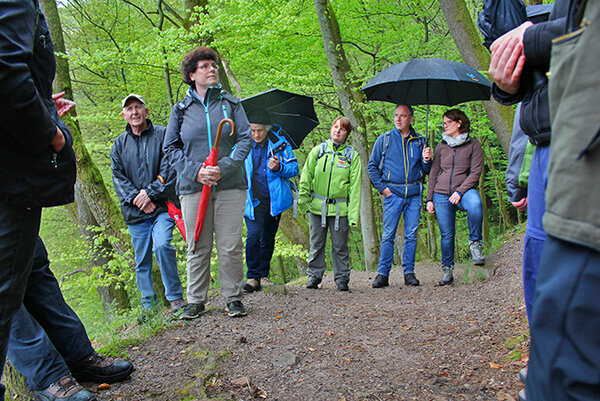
[223, 121]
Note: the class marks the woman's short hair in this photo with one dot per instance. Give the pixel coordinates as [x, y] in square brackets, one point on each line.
[344, 123]
[459, 115]
[189, 64]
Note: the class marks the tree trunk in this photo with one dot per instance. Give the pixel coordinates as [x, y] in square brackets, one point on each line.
[468, 43]
[94, 206]
[15, 383]
[349, 96]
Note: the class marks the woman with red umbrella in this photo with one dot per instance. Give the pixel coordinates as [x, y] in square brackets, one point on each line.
[191, 133]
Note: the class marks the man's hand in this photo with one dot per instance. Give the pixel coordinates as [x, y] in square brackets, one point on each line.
[455, 198]
[149, 208]
[427, 154]
[58, 142]
[274, 164]
[386, 192]
[63, 106]
[508, 59]
[430, 207]
[209, 175]
[142, 200]
[521, 205]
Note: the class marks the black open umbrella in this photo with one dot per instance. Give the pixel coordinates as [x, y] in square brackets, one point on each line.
[295, 114]
[428, 81]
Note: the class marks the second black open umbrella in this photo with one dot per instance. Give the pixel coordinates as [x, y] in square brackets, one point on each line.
[294, 113]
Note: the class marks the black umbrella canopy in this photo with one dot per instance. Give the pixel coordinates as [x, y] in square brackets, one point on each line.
[294, 113]
[428, 81]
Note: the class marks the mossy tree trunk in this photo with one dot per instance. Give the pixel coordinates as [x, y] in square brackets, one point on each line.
[93, 207]
[15, 383]
[473, 53]
[350, 97]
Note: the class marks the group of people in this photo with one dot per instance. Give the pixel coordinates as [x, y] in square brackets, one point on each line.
[153, 165]
[251, 178]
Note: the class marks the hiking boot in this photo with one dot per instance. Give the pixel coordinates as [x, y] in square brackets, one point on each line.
[236, 309]
[177, 305]
[342, 286]
[313, 283]
[477, 253]
[381, 281]
[66, 389]
[101, 369]
[411, 279]
[191, 311]
[523, 374]
[522, 396]
[252, 285]
[447, 277]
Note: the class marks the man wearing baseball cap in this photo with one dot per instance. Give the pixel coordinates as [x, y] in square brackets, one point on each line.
[144, 181]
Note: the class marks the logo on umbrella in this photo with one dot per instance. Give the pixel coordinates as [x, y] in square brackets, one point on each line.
[472, 77]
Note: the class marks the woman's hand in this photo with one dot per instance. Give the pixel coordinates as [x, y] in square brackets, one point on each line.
[209, 175]
[386, 192]
[455, 198]
[430, 207]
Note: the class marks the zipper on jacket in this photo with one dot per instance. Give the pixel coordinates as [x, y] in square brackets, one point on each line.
[452, 172]
[330, 173]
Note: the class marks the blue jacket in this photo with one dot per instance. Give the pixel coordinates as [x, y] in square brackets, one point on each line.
[136, 162]
[33, 175]
[280, 187]
[403, 167]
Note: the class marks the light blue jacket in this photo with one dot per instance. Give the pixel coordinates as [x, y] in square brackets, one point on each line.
[280, 187]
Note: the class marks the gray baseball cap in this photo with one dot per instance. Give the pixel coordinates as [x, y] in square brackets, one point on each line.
[132, 96]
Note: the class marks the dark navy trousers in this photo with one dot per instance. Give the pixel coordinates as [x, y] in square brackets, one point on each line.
[46, 333]
[564, 362]
[260, 240]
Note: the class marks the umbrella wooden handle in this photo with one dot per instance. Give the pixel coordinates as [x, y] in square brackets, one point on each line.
[223, 121]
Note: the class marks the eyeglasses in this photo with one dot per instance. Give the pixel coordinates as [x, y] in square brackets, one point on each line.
[206, 67]
[447, 123]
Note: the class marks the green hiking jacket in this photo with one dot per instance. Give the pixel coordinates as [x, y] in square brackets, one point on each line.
[330, 176]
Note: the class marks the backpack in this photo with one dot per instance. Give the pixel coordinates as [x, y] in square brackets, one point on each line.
[386, 143]
[348, 154]
[498, 17]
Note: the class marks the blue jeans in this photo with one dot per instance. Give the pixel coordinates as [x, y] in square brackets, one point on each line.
[46, 333]
[534, 232]
[154, 235]
[19, 229]
[446, 217]
[260, 240]
[564, 359]
[393, 208]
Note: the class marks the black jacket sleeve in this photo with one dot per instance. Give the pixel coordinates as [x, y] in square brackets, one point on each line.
[23, 115]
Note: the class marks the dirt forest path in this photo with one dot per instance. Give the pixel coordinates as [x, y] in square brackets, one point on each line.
[396, 343]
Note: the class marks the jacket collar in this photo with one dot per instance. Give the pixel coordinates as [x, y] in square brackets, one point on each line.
[144, 132]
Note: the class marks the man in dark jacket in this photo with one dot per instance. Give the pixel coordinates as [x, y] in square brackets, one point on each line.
[399, 162]
[520, 61]
[36, 157]
[144, 181]
[38, 170]
[565, 345]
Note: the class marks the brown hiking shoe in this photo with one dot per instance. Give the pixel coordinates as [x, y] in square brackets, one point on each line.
[66, 389]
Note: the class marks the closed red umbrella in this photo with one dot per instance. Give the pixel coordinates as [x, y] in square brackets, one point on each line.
[174, 212]
[211, 160]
